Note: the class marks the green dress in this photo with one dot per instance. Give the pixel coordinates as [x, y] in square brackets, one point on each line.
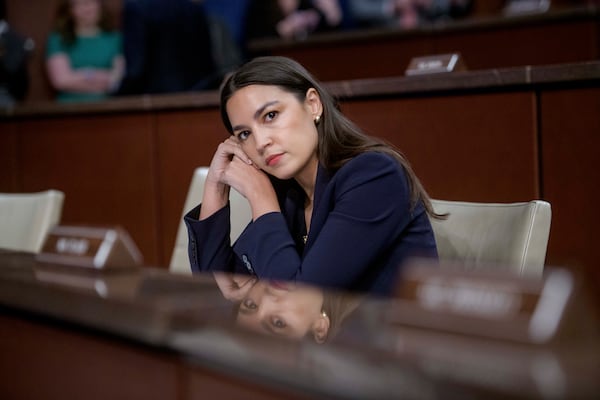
[97, 51]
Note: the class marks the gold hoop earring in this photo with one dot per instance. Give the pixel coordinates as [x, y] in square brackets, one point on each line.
[317, 119]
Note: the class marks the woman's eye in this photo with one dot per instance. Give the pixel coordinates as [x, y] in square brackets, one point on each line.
[243, 135]
[270, 115]
[249, 304]
[278, 323]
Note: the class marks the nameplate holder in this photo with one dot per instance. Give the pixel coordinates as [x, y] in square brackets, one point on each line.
[521, 7]
[493, 305]
[435, 64]
[90, 248]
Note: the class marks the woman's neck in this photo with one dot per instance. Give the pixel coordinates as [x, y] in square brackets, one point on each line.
[87, 30]
[307, 179]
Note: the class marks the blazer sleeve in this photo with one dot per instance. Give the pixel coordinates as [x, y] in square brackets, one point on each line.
[365, 217]
[209, 247]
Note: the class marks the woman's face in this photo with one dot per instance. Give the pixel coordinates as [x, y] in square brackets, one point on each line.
[284, 309]
[275, 129]
[86, 12]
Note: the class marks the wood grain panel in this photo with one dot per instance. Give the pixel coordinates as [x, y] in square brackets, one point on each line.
[201, 384]
[43, 361]
[570, 127]
[513, 46]
[464, 147]
[8, 157]
[105, 166]
[186, 140]
[358, 59]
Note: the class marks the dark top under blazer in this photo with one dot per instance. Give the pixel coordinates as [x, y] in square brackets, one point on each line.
[362, 230]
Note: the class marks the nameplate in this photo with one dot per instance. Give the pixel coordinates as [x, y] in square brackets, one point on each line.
[519, 7]
[90, 247]
[489, 304]
[435, 64]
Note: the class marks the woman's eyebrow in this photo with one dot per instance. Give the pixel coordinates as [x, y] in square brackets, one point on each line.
[263, 107]
[257, 114]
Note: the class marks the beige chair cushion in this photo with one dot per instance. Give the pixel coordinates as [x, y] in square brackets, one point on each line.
[510, 236]
[26, 218]
[241, 215]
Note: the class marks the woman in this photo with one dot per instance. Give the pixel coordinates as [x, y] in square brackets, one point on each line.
[84, 56]
[330, 205]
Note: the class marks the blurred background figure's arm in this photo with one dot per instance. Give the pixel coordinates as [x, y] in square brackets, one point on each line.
[84, 80]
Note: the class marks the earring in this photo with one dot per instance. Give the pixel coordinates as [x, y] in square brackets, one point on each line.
[317, 119]
[323, 314]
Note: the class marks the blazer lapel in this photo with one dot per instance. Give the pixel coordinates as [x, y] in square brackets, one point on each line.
[321, 204]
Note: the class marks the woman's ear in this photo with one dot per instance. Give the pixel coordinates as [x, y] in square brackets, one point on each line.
[313, 101]
[320, 328]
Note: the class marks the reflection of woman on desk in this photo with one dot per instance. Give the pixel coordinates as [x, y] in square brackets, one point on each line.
[331, 206]
[287, 310]
[84, 58]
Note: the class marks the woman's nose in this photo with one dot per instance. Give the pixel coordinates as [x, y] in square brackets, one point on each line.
[262, 139]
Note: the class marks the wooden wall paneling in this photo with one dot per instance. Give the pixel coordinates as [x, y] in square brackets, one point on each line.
[8, 157]
[467, 147]
[518, 45]
[200, 383]
[348, 59]
[40, 361]
[570, 129]
[106, 167]
[186, 140]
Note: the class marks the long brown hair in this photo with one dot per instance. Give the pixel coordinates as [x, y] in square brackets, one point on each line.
[340, 139]
[64, 23]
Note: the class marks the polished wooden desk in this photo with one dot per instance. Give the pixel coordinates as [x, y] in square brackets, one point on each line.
[143, 333]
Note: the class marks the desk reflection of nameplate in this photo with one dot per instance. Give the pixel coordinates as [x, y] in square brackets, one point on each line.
[435, 64]
[90, 248]
[490, 304]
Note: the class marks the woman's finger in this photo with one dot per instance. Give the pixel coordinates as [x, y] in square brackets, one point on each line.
[234, 147]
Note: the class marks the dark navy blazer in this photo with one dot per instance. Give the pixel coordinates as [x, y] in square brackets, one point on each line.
[362, 230]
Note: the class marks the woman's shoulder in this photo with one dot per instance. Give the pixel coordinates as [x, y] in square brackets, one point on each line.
[371, 162]
[53, 36]
[370, 166]
[54, 43]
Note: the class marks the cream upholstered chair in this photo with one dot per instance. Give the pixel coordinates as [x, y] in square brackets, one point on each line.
[26, 218]
[241, 215]
[512, 236]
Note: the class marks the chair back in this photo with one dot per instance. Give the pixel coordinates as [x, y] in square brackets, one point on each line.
[26, 218]
[241, 215]
[486, 235]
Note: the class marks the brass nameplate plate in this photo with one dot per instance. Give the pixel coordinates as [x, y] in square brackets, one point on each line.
[90, 247]
[435, 64]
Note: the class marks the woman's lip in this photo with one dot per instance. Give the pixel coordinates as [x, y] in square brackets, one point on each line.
[272, 160]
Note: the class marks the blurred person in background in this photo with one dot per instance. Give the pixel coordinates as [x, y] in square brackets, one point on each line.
[168, 47]
[14, 52]
[84, 52]
[232, 13]
[405, 14]
[292, 19]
